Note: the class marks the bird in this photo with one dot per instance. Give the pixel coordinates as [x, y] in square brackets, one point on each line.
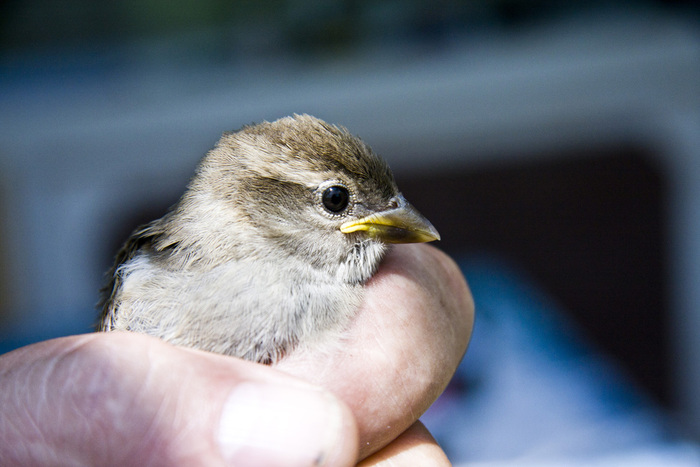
[270, 246]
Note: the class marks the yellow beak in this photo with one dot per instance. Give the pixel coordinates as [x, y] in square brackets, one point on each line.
[403, 224]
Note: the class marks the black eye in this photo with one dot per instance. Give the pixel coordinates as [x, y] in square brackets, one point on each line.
[335, 198]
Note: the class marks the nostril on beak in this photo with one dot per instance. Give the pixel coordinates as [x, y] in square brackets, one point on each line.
[394, 203]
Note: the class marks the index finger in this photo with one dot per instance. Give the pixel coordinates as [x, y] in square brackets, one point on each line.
[401, 349]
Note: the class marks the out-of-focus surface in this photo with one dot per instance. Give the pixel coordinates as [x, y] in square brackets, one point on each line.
[533, 393]
[106, 108]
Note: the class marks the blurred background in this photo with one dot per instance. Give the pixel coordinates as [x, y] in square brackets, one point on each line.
[560, 137]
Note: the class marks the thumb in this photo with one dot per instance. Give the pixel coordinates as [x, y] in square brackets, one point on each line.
[129, 399]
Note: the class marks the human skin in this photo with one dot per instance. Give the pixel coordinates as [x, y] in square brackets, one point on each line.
[124, 398]
[402, 349]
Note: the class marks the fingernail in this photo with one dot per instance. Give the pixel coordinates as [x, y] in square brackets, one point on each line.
[270, 425]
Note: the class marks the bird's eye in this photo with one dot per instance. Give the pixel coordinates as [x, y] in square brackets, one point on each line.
[335, 198]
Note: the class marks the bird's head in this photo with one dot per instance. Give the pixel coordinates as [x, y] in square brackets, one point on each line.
[301, 189]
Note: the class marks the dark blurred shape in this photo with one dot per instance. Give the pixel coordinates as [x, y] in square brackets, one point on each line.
[590, 228]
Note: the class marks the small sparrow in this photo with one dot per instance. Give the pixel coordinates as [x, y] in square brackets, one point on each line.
[268, 248]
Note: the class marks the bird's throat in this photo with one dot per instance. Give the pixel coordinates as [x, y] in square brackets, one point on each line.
[362, 261]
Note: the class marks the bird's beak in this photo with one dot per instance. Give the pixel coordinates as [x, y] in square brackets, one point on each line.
[403, 224]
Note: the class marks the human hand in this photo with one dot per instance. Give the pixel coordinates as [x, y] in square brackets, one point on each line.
[118, 398]
[401, 350]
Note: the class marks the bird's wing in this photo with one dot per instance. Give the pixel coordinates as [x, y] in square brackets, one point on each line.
[142, 238]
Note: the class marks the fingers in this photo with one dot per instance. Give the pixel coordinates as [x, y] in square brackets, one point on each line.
[128, 399]
[403, 347]
[415, 447]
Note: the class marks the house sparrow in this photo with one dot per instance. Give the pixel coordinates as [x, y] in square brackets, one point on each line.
[268, 248]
